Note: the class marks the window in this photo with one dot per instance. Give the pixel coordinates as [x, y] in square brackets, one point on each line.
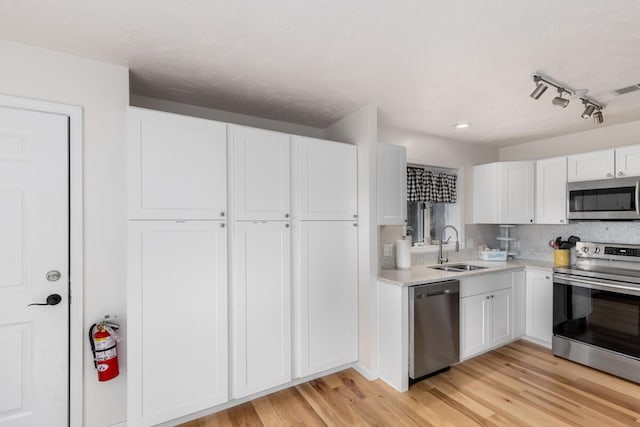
[432, 204]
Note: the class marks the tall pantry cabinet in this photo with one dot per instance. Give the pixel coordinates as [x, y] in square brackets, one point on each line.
[242, 262]
[177, 266]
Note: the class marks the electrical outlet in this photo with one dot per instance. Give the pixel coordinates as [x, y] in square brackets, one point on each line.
[388, 250]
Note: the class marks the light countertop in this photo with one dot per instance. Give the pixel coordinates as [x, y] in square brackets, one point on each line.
[421, 274]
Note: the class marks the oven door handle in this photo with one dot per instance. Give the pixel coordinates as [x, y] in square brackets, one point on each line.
[602, 285]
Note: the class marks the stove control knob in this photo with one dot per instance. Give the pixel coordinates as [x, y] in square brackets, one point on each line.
[585, 249]
[596, 250]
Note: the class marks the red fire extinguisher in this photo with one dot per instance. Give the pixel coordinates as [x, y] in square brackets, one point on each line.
[104, 347]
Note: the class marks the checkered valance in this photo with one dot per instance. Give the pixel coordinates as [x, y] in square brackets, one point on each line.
[424, 185]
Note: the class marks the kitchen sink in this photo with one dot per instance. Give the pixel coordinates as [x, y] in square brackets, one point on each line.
[457, 267]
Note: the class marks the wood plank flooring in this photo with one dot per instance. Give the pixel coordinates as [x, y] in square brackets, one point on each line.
[519, 384]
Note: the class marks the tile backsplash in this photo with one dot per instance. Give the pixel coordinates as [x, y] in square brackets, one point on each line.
[534, 239]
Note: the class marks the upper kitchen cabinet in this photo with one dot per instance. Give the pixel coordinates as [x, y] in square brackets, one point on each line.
[392, 184]
[177, 166]
[503, 193]
[327, 179]
[551, 191]
[260, 170]
[628, 161]
[589, 166]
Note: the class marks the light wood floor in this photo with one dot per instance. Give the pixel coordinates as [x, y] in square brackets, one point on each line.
[520, 384]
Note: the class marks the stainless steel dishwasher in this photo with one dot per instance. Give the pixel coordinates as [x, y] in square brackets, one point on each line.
[434, 328]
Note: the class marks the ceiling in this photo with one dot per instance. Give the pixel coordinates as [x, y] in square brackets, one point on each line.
[426, 64]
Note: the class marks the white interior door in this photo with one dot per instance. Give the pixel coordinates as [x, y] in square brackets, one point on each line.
[34, 240]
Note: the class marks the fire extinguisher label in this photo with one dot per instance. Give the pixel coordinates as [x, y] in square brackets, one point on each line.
[102, 367]
[105, 355]
[104, 343]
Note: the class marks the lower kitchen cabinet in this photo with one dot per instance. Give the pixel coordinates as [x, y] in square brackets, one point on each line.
[177, 352]
[540, 305]
[485, 313]
[326, 296]
[261, 329]
[519, 291]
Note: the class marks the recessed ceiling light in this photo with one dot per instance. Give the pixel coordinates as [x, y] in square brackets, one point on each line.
[462, 125]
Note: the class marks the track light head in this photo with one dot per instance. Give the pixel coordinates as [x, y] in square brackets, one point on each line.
[588, 111]
[541, 87]
[559, 100]
[598, 118]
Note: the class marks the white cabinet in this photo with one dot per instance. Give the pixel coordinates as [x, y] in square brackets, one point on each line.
[327, 296]
[176, 166]
[392, 184]
[261, 306]
[327, 179]
[260, 186]
[628, 161]
[551, 191]
[485, 313]
[540, 305]
[593, 165]
[519, 291]
[177, 319]
[503, 193]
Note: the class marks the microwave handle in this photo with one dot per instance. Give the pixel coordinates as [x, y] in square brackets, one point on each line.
[637, 194]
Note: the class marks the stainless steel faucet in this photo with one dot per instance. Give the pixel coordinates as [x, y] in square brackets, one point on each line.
[441, 259]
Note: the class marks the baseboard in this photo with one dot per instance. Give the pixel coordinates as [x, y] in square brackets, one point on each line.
[236, 402]
[537, 341]
[122, 424]
[366, 372]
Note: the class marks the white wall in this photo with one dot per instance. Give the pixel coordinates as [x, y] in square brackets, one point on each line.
[599, 138]
[434, 151]
[102, 90]
[361, 128]
[224, 116]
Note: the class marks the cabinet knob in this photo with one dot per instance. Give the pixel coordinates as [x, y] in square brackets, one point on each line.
[355, 224]
[547, 277]
[609, 175]
[223, 225]
[355, 216]
[286, 215]
[286, 226]
[620, 173]
[221, 213]
[492, 296]
[562, 221]
[530, 220]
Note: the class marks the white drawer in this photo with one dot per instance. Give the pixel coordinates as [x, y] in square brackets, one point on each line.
[484, 283]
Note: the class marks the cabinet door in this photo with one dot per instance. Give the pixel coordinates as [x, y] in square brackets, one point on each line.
[177, 166]
[628, 161]
[551, 191]
[474, 333]
[485, 194]
[540, 305]
[176, 319]
[392, 184]
[588, 166]
[516, 194]
[500, 317]
[260, 186]
[327, 179]
[519, 292]
[327, 296]
[261, 306]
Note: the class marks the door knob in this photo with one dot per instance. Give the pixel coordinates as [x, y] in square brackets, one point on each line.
[53, 299]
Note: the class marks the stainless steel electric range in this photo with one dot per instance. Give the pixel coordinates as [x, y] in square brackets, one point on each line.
[596, 309]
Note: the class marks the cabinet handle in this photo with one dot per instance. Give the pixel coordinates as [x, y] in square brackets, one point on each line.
[487, 297]
[355, 224]
[620, 173]
[221, 213]
[530, 220]
[286, 226]
[222, 225]
[355, 216]
[609, 175]
[547, 277]
[562, 221]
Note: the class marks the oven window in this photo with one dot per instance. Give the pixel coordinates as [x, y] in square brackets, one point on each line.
[620, 199]
[609, 320]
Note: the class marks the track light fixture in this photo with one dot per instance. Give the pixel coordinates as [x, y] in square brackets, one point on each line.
[541, 87]
[559, 100]
[542, 84]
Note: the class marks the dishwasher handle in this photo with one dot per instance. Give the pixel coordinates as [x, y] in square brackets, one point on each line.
[444, 291]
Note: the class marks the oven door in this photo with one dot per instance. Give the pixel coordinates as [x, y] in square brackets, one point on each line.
[604, 199]
[597, 312]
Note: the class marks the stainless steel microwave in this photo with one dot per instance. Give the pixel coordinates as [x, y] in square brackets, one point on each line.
[607, 199]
